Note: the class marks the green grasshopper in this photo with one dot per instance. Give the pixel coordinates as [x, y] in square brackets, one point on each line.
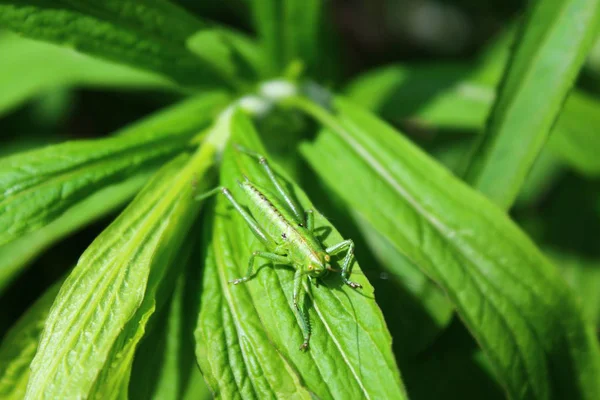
[288, 236]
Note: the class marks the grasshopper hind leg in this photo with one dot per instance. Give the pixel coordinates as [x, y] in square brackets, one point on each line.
[299, 297]
[262, 254]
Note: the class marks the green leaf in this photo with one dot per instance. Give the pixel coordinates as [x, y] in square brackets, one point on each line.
[20, 344]
[38, 186]
[16, 255]
[47, 66]
[234, 55]
[114, 380]
[555, 41]
[510, 297]
[457, 97]
[248, 336]
[289, 30]
[267, 22]
[147, 34]
[100, 314]
[441, 95]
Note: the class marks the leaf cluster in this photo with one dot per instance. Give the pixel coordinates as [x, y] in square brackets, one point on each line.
[448, 176]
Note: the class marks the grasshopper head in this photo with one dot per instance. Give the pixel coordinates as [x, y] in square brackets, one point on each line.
[320, 267]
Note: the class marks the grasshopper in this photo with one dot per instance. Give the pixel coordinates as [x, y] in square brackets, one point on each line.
[288, 237]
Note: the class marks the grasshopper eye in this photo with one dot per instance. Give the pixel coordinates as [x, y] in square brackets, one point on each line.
[311, 267]
[327, 258]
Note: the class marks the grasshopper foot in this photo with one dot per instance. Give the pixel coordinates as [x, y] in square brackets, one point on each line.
[353, 285]
[304, 346]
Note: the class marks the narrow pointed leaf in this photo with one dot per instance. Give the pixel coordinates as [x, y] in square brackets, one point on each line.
[147, 34]
[290, 30]
[101, 311]
[38, 186]
[556, 38]
[510, 297]
[248, 334]
[20, 344]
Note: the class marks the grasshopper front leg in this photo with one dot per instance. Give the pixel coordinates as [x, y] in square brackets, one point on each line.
[346, 264]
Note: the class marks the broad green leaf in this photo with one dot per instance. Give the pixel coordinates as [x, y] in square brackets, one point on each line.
[20, 344]
[290, 30]
[552, 48]
[146, 34]
[16, 255]
[29, 68]
[248, 336]
[38, 186]
[100, 313]
[510, 297]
